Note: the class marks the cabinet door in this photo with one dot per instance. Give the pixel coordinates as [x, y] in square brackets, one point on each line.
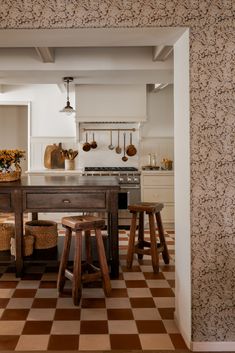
[168, 213]
[157, 194]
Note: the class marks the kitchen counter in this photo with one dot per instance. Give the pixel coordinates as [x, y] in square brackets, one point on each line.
[157, 172]
[54, 172]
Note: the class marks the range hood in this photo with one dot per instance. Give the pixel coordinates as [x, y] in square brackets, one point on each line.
[111, 103]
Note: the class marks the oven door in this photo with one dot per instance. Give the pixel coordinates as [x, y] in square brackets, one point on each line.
[128, 195]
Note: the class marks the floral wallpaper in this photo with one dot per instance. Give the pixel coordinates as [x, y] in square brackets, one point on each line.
[212, 79]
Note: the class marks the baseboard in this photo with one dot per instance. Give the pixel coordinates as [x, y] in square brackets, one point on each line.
[187, 340]
[205, 346]
[213, 346]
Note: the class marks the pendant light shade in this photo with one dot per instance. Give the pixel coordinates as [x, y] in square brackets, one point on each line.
[68, 109]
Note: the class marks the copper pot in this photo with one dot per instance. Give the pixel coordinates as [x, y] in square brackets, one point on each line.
[86, 146]
[131, 150]
[124, 158]
[93, 143]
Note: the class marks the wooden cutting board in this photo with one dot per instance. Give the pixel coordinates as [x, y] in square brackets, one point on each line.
[53, 159]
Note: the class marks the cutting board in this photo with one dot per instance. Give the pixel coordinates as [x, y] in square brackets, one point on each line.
[53, 159]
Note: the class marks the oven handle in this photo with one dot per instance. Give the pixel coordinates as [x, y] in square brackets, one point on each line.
[130, 187]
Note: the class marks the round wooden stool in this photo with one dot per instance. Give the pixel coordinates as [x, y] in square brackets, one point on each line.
[85, 272]
[153, 211]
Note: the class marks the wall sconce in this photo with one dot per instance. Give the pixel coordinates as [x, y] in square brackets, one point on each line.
[68, 109]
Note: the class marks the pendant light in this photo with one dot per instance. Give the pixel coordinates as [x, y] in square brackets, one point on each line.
[68, 109]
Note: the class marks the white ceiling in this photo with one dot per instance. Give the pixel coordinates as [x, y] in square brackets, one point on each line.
[89, 55]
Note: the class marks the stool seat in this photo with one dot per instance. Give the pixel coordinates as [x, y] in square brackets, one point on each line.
[83, 272]
[147, 207]
[143, 247]
[82, 222]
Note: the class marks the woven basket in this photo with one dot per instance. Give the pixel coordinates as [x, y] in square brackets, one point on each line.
[28, 241]
[44, 232]
[7, 231]
[10, 176]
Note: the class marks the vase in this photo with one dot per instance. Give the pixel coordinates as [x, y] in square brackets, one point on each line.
[69, 164]
[10, 176]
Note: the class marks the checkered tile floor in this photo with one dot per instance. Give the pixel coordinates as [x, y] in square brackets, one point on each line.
[139, 314]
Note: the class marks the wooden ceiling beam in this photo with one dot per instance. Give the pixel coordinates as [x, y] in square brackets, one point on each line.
[47, 55]
[161, 52]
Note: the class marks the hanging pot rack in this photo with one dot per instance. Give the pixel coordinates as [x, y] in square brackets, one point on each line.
[108, 129]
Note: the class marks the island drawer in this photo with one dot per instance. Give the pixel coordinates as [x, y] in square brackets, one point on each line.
[5, 202]
[63, 201]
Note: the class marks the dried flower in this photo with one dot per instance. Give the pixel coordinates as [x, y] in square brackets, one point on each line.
[10, 158]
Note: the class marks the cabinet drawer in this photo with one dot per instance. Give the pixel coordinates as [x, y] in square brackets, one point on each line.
[158, 194]
[155, 180]
[65, 201]
[5, 202]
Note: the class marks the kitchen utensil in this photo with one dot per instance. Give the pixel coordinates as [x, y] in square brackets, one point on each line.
[131, 150]
[118, 148]
[53, 158]
[93, 143]
[111, 146]
[124, 158]
[86, 146]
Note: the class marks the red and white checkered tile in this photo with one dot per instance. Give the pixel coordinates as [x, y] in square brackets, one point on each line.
[138, 315]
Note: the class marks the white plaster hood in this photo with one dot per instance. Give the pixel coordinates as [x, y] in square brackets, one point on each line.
[111, 102]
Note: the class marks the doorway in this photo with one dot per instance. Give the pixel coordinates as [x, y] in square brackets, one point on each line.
[14, 130]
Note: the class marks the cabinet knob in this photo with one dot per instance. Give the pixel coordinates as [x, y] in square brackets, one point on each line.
[66, 201]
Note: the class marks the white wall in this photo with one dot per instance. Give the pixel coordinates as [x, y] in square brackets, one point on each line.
[182, 187]
[160, 114]
[46, 102]
[157, 133]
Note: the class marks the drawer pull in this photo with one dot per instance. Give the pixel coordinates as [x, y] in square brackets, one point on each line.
[66, 201]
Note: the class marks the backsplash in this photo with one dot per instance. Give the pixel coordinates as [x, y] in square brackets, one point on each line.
[98, 157]
[161, 147]
[102, 156]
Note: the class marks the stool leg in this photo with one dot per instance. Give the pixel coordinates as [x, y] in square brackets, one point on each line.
[64, 260]
[141, 234]
[165, 253]
[153, 243]
[131, 243]
[77, 269]
[88, 246]
[103, 262]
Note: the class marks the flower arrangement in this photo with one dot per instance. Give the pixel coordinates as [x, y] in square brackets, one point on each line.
[69, 154]
[10, 160]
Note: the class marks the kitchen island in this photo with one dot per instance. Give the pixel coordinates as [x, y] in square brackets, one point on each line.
[69, 193]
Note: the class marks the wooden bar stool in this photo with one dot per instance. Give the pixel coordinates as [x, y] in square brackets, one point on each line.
[153, 211]
[85, 272]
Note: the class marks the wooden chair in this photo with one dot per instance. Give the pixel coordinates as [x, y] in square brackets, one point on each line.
[85, 272]
[153, 211]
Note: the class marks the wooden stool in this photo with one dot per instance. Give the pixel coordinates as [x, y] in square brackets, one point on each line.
[86, 224]
[152, 209]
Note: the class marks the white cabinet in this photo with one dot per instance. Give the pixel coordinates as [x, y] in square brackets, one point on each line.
[158, 186]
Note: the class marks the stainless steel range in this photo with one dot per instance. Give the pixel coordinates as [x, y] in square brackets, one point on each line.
[129, 180]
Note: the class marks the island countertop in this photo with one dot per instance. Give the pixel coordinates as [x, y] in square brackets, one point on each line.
[63, 180]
